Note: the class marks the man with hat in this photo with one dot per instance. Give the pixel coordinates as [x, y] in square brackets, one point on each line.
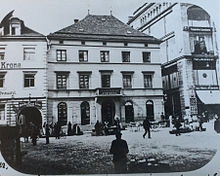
[119, 149]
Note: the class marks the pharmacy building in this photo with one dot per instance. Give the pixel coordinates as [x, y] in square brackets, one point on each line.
[100, 69]
[188, 52]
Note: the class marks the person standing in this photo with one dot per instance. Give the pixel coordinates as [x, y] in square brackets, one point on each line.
[119, 149]
[147, 126]
[47, 131]
[177, 125]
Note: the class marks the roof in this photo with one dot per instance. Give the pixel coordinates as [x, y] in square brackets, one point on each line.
[25, 31]
[101, 27]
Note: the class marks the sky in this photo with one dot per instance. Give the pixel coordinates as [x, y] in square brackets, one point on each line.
[47, 16]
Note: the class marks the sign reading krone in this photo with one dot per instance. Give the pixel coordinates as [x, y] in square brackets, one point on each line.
[8, 66]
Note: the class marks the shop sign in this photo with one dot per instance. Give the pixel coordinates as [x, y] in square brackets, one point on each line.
[37, 104]
[9, 66]
[109, 91]
[7, 93]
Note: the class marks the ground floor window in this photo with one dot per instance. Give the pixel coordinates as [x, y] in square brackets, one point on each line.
[2, 112]
[129, 112]
[85, 113]
[150, 109]
[62, 113]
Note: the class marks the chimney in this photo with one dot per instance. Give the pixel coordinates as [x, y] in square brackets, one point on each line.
[76, 21]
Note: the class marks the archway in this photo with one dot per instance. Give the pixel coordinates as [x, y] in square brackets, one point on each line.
[85, 113]
[27, 118]
[108, 111]
[129, 112]
[150, 110]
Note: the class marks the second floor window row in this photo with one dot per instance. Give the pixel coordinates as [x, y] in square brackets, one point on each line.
[83, 56]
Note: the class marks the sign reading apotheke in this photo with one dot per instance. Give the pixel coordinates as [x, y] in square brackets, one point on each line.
[9, 65]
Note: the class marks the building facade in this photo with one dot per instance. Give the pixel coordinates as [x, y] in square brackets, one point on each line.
[99, 69]
[189, 56]
[23, 82]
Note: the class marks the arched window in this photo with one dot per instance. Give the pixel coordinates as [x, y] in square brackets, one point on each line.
[150, 109]
[129, 112]
[85, 113]
[197, 13]
[62, 113]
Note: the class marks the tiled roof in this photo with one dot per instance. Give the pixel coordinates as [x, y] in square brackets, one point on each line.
[101, 27]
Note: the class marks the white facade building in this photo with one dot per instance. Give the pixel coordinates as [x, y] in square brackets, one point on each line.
[190, 63]
[100, 68]
[22, 73]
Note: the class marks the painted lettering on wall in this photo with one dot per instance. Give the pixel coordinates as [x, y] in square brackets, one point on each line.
[7, 93]
[6, 65]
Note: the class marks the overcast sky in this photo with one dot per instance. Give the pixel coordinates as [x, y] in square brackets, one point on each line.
[46, 16]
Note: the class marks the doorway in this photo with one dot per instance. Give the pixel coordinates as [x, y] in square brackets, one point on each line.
[108, 111]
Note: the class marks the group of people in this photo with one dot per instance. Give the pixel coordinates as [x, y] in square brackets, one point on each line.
[73, 129]
[103, 128]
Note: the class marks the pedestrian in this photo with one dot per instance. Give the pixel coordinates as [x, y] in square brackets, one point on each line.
[200, 119]
[98, 128]
[69, 131]
[119, 149]
[177, 125]
[147, 126]
[34, 133]
[47, 131]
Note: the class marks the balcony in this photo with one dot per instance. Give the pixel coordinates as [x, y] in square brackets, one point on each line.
[109, 92]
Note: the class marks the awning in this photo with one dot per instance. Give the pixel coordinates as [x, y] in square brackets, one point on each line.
[209, 96]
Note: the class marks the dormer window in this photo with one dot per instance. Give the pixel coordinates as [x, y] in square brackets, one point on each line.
[15, 26]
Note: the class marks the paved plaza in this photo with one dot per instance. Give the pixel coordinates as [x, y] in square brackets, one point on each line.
[88, 154]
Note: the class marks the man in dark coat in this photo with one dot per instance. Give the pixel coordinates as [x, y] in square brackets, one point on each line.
[147, 126]
[119, 149]
[47, 133]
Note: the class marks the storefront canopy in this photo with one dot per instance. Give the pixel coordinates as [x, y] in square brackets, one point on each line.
[209, 96]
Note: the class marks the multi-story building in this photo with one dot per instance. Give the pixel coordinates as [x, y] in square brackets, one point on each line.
[189, 56]
[100, 68]
[22, 73]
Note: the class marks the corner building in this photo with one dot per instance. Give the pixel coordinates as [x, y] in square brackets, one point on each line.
[22, 74]
[100, 68]
[190, 62]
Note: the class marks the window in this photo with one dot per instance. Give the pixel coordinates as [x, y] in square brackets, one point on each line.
[29, 79]
[2, 53]
[83, 81]
[15, 29]
[106, 79]
[125, 56]
[61, 55]
[85, 113]
[2, 79]
[147, 81]
[62, 80]
[29, 53]
[146, 56]
[104, 56]
[83, 56]
[127, 81]
[2, 112]
[62, 113]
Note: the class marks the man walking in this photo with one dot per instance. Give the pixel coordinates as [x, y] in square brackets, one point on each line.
[147, 126]
[119, 149]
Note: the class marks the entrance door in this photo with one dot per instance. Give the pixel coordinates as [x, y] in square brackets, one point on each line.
[150, 110]
[129, 112]
[108, 111]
